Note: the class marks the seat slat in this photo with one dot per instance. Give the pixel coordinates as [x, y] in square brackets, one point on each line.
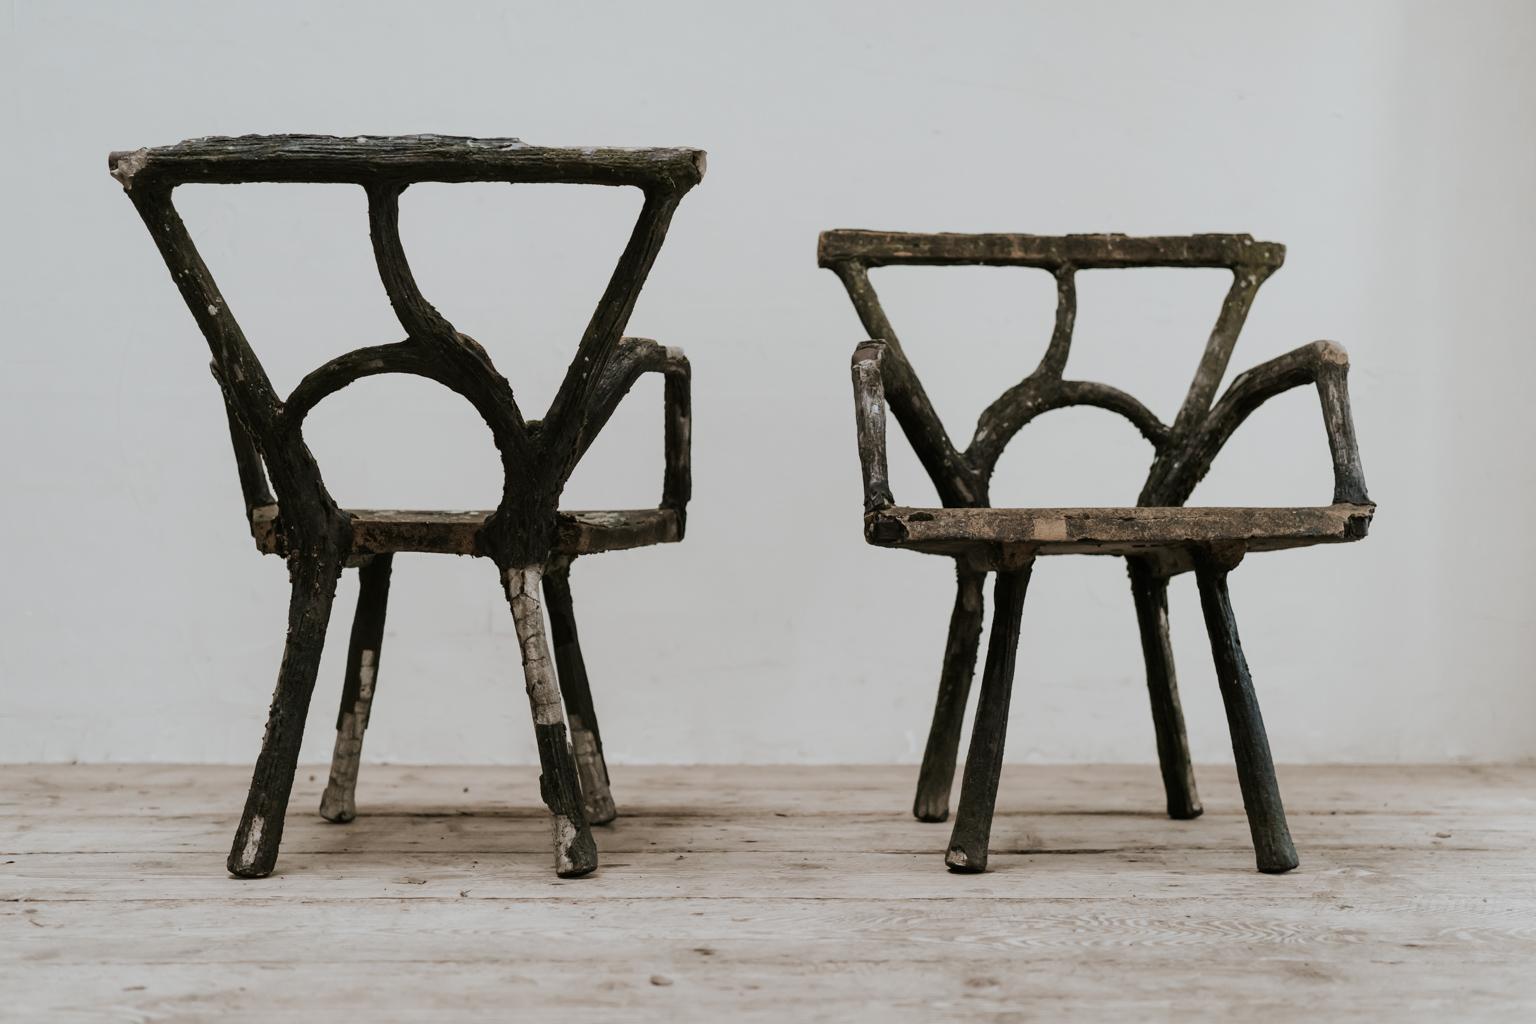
[1112, 531]
[379, 531]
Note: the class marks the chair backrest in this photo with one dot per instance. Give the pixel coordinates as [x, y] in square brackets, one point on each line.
[537, 456]
[962, 478]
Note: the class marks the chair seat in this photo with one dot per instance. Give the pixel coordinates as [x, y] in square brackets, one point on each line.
[383, 531]
[990, 533]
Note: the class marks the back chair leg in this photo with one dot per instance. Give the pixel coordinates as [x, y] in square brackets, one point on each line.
[1272, 844]
[575, 852]
[984, 764]
[937, 776]
[339, 804]
[254, 852]
[1150, 591]
[586, 740]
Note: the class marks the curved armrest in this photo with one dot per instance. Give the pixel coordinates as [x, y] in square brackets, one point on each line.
[632, 358]
[869, 410]
[1323, 363]
[677, 484]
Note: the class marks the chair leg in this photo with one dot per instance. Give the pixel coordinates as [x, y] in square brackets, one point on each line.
[984, 763]
[937, 775]
[339, 804]
[586, 740]
[1272, 845]
[254, 851]
[1150, 591]
[575, 852]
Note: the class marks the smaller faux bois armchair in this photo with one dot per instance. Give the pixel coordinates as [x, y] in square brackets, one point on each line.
[530, 540]
[1158, 537]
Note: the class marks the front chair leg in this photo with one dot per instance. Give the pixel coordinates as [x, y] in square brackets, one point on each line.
[586, 740]
[1272, 844]
[254, 852]
[937, 776]
[984, 763]
[1150, 591]
[339, 804]
[575, 852]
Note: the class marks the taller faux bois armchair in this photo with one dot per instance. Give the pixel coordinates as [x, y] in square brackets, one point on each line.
[531, 541]
[1158, 537]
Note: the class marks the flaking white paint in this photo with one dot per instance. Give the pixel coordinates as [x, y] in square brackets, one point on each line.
[565, 833]
[538, 670]
[253, 841]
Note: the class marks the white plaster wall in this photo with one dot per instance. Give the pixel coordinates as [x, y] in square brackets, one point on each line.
[1389, 145]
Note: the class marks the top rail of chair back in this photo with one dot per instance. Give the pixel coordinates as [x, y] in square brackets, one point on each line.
[361, 159]
[1051, 252]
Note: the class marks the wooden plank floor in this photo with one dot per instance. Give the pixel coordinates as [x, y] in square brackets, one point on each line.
[785, 894]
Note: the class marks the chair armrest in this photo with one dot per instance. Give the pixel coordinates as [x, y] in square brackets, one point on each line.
[677, 399]
[632, 358]
[869, 417]
[1323, 363]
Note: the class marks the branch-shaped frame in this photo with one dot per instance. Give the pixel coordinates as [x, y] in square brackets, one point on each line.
[527, 536]
[1183, 451]
[537, 457]
[1158, 537]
